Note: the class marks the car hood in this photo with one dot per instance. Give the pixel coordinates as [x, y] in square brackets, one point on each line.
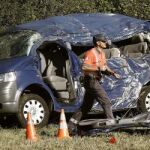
[78, 29]
[14, 64]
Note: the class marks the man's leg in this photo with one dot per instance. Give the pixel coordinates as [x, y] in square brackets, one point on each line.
[84, 109]
[103, 99]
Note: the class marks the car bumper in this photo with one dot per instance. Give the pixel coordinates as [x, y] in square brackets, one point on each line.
[8, 107]
[7, 97]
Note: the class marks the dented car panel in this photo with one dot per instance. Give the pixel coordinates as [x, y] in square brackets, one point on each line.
[78, 29]
[50, 36]
[124, 93]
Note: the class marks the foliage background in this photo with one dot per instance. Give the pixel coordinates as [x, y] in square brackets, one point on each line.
[14, 12]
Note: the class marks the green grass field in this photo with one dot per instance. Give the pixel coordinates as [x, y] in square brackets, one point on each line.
[13, 139]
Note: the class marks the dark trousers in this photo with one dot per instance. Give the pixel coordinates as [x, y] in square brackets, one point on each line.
[94, 91]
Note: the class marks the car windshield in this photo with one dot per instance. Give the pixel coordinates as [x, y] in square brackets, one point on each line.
[18, 43]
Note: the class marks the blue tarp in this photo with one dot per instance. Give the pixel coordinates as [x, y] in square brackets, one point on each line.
[80, 28]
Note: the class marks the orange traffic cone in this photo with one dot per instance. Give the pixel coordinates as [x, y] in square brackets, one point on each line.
[30, 130]
[63, 128]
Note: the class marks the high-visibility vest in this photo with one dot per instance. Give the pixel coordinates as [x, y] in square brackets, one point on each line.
[95, 59]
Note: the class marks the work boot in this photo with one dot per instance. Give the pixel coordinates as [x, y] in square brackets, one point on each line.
[72, 128]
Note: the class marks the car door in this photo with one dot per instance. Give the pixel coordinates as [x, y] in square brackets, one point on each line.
[73, 74]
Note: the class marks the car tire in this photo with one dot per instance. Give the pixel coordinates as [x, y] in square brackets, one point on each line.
[37, 107]
[144, 99]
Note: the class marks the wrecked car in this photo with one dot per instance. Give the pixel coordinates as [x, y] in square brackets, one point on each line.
[40, 64]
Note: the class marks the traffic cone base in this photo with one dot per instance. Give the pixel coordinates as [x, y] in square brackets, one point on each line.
[63, 133]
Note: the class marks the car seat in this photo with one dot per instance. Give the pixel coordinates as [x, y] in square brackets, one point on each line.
[56, 81]
[112, 52]
[53, 68]
[135, 50]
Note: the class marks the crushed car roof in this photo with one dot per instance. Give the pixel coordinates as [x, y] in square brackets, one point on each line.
[80, 28]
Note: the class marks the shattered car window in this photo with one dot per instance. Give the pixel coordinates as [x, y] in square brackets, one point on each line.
[13, 44]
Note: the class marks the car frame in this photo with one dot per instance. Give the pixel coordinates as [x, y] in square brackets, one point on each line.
[25, 86]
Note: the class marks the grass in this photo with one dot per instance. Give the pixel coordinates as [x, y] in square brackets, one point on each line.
[14, 138]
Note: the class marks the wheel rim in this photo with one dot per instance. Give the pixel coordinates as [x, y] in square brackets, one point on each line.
[147, 102]
[36, 110]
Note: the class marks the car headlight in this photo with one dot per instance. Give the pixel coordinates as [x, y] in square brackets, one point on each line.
[7, 77]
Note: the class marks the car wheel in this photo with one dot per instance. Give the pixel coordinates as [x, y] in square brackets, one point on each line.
[37, 107]
[144, 99]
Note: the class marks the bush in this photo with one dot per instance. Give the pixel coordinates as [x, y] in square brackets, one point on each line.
[21, 11]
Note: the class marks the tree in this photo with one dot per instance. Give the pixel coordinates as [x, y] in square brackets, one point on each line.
[21, 11]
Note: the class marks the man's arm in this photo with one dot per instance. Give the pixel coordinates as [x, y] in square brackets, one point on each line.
[111, 72]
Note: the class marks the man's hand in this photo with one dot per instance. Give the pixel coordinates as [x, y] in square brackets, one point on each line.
[117, 76]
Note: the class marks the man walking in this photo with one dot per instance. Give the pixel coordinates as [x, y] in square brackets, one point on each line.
[93, 65]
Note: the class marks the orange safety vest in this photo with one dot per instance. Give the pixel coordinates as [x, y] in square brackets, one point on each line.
[95, 59]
